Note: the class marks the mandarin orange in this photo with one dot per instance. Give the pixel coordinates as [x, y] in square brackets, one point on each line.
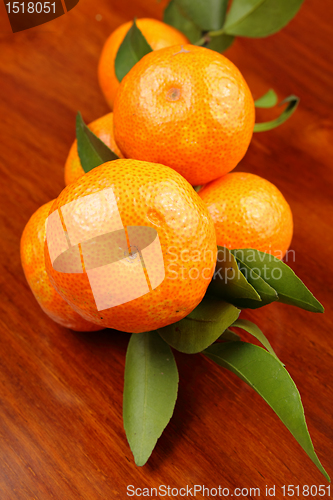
[103, 128]
[157, 34]
[117, 276]
[249, 212]
[186, 107]
[33, 263]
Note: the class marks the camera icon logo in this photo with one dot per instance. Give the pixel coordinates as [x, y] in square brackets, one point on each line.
[122, 263]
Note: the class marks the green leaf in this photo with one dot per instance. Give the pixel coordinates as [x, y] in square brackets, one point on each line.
[266, 292]
[267, 376]
[254, 330]
[201, 327]
[150, 392]
[293, 103]
[174, 16]
[92, 151]
[259, 18]
[220, 43]
[132, 49]
[209, 15]
[229, 335]
[267, 101]
[290, 289]
[228, 282]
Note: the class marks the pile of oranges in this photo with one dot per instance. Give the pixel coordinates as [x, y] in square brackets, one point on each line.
[182, 117]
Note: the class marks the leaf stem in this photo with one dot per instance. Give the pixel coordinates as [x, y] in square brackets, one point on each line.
[216, 33]
[203, 40]
[207, 36]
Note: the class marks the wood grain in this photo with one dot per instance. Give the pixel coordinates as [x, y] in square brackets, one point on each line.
[61, 434]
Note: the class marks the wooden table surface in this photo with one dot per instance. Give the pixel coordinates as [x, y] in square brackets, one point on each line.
[61, 433]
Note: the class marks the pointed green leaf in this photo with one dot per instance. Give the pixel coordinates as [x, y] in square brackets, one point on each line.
[150, 392]
[201, 327]
[259, 18]
[228, 282]
[220, 43]
[290, 289]
[267, 101]
[92, 151]
[174, 16]
[209, 15]
[132, 49]
[267, 376]
[254, 330]
[284, 116]
[266, 292]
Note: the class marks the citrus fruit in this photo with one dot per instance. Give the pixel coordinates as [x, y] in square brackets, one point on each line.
[157, 34]
[142, 246]
[33, 263]
[186, 107]
[103, 128]
[249, 212]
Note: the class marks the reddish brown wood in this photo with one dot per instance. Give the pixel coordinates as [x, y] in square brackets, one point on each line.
[61, 434]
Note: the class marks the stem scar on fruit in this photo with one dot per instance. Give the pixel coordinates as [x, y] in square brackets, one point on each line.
[173, 94]
[182, 51]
